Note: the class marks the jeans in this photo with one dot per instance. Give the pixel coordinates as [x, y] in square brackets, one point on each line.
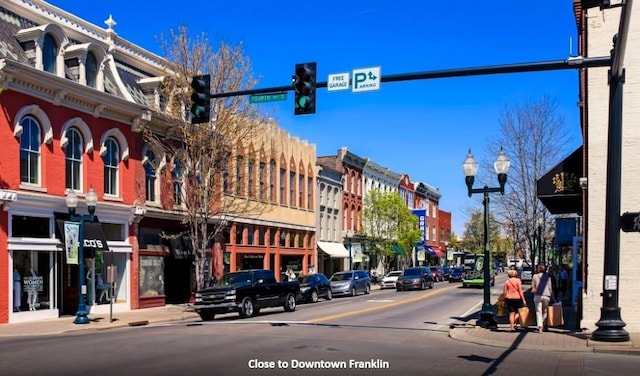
[542, 307]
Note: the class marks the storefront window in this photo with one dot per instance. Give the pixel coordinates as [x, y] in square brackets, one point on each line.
[31, 281]
[106, 270]
[151, 276]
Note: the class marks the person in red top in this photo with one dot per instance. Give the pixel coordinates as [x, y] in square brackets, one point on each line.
[514, 297]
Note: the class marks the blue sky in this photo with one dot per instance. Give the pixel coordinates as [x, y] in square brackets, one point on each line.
[422, 128]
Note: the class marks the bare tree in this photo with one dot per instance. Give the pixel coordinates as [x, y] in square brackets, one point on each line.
[534, 137]
[209, 167]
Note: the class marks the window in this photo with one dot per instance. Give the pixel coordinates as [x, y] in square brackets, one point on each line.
[177, 176]
[151, 276]
[49, 54]
[226, 184]
[272, 180]
[239, 176]
[73, 160]
[30, 151]
[261, 234]
[292, 188]
[310, 193]
[150, 176]
[239, 231]
[301, 240]
[283, 186]
[283, 238]
[301, 191]
[251, 232]
[91, 70]
[272, 237]
[251, 180]
[111, 160]
[262, 180]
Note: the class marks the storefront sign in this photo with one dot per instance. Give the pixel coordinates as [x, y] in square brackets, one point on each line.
[33, 284]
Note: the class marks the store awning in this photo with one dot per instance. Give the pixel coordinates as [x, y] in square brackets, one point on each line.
[430, 250]
[559, 189]
[94, 239]
[334, 250]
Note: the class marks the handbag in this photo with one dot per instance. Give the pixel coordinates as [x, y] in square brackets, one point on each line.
[526, 317]
[554, 315]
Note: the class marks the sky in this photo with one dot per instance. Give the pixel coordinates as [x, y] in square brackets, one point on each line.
[423, 128]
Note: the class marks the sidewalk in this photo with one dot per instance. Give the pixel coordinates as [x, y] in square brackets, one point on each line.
[562, 338]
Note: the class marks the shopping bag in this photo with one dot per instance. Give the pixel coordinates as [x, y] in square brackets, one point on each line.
[554, 315]
[526, 317]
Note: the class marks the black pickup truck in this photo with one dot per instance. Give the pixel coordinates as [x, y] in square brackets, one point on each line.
[246, 292]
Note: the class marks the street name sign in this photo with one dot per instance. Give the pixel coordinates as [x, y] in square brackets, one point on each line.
[338, 81]
[366, 79]
[270, 97]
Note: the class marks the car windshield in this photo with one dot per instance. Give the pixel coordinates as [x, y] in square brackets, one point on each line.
[341, 277]
[235, 279]
[395, 273]
[412, 272]
[433, 268]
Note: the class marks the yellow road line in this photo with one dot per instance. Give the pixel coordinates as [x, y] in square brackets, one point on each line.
[377, 307]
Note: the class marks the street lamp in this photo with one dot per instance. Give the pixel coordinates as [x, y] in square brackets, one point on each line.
[470, 168]
[72, 203]
[349, 237]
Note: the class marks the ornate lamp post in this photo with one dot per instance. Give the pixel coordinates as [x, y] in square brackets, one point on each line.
[470, 168]
[72, 204]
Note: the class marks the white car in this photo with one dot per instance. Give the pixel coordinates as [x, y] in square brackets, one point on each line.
[389, 280]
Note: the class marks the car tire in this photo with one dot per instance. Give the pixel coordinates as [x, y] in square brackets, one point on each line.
[247, 308]
[290, 303]
[329, 295]
[207, 315]
[431, 284]
[314, 296]
[367, 289]
[423, 286]
[354, 291]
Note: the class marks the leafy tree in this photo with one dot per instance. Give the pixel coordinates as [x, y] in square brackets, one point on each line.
[199, 158]
[473, 239]
[388, 221]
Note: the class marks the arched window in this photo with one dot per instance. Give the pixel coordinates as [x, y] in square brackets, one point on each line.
[91, 70]
[272, 180]
[150, 165]
[30, 151]
[49, 54]
[111, 160]
[177, 175]
[73, 160]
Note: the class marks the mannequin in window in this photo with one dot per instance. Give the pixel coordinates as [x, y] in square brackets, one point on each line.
[89, 281]
[103, 289]
[32, 294]
[17, 290]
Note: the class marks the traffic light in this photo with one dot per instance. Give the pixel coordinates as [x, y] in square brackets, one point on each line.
[304, 83]
[200, 104]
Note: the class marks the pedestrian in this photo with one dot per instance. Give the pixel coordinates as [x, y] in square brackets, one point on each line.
[542, 289]
[291, 276]
[514, 297]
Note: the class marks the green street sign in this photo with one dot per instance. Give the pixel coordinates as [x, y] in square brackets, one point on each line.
[271, 97]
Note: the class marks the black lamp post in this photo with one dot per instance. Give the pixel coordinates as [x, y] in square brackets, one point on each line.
[470, 168]
[349, 236]
[72, 203]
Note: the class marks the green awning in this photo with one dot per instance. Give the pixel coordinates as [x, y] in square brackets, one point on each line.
[398, 250]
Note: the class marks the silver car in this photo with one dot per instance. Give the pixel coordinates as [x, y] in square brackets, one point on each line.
[350, 282]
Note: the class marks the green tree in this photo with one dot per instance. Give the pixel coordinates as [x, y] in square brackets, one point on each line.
[473, 239]
[387, 222]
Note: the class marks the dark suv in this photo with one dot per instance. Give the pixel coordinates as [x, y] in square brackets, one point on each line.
[415, 278]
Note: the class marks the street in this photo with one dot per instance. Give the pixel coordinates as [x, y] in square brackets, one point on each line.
[386, 332]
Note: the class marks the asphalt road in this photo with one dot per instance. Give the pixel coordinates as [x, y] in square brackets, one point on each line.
[384, 333]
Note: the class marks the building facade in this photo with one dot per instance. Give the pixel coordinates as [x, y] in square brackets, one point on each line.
[332, 256]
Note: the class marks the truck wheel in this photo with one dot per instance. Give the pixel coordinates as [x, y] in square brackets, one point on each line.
[314, 296]
[207, 315]
[247, 308]
[290, 303]
[367, 290]
[329, 295]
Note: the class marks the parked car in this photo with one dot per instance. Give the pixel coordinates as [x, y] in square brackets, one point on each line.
[437, 273]
[456, 274]
[389, 280]
[350, 282]
[415, 278]
[314, 286]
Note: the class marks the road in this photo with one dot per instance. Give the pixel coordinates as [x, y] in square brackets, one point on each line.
[386, 332]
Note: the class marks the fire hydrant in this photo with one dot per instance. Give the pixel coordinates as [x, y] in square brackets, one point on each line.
[500, 305]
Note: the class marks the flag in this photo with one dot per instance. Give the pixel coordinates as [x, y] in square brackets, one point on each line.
[71, 241]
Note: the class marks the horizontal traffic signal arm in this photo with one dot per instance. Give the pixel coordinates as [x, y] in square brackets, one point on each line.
[571, 63]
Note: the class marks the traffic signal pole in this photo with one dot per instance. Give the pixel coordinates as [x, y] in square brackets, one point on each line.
[571, 63]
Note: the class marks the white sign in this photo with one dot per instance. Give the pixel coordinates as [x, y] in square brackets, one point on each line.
[610, 282]
[366, 79]
[338, 81]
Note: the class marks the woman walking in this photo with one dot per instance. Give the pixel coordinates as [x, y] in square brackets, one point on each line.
[514, 297]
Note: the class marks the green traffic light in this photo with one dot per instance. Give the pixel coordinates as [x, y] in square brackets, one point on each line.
[303, 102]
